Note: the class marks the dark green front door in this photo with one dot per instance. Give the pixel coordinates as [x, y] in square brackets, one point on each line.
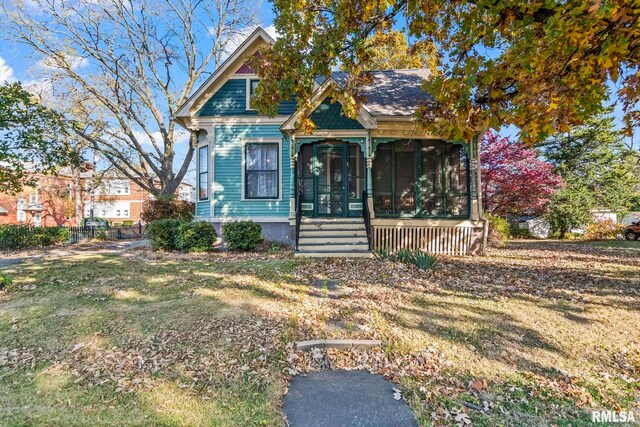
[331, 183]
[331, 178]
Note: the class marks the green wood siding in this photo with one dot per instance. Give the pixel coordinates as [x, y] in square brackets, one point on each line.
[227, 185]
[203, 209]
[230, 100]
[329, 116]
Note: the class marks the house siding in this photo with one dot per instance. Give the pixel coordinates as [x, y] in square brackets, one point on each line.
[227, 184]
[203, 209]
[329, 116]
[230, 100]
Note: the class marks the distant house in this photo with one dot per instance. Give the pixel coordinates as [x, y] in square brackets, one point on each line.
[373, 182]
[49, 203]
[117, 198]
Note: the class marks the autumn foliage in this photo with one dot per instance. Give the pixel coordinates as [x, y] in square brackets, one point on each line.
[514, 179]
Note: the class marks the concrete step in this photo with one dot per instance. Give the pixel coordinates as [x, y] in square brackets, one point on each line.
[332, 240]
[339, 247]
[360, 232]
[332, 220]
[332, 226]
[334, 254]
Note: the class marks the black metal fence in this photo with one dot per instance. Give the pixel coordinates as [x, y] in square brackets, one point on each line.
[91, 232]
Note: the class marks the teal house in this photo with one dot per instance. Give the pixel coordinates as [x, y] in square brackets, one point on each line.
[376, 182]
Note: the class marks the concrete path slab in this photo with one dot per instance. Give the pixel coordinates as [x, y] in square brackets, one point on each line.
[345, 398]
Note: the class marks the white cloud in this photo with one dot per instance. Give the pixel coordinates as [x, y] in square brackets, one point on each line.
[6, 72]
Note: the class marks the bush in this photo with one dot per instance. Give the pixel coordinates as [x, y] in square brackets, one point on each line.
[167, 207]
[499, 230]
[127, 223]
[22, 236]
[602, 230]
[197, 236]
[521, 233]
[164, 234]
[421, 259]
[242, 235]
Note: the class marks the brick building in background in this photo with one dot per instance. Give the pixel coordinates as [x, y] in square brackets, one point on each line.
[51, 202]
[119, 199]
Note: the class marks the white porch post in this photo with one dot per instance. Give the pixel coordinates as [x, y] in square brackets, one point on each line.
[292, 177]
[369, 159]
[473, 173]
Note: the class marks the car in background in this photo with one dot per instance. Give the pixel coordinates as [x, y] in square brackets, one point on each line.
[632, 231]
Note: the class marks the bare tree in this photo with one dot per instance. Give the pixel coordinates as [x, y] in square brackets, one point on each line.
[130, 64]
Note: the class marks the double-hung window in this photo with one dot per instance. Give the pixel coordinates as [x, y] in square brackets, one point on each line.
[203, 172]
[261, 171]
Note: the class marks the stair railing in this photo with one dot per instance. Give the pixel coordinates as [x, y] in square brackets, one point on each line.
[298, 216]
[366, 215]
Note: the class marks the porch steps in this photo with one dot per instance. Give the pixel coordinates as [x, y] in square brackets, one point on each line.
[333, 237]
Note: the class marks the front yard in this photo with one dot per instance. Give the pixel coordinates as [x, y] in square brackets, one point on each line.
[536, 333]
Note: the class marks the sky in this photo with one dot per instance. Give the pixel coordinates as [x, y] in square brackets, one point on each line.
[17, 64]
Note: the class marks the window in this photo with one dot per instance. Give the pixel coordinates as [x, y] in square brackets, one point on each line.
[261, 171]
[118, 212]
[203, 173]
[424, 179]
[251, 88]
[126, 213]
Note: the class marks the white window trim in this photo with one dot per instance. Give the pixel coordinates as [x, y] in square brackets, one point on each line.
[248, 92]
[243, 165]
[198, 169]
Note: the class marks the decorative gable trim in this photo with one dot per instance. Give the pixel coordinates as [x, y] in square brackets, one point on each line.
[222, 74]
[364, 117]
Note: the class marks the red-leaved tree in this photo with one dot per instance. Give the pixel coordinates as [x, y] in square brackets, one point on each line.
[514, 179]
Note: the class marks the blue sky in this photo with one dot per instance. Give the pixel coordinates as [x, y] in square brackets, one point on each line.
[17, 63]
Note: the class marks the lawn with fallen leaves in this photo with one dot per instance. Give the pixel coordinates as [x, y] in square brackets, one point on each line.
[535, 333]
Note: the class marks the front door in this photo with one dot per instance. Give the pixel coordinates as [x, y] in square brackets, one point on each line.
[331, 178]
[331, 185]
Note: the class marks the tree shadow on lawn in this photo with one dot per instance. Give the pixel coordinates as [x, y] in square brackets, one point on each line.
[107, 305]
[498, 279]
[490, 332]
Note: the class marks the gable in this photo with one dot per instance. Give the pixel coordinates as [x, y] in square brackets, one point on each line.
[329, 115]
[231, 100]
[234, 65]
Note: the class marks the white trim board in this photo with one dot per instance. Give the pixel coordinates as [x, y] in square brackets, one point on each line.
[265, 219]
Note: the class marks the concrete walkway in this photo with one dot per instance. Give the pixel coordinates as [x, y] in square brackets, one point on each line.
[71, 250]
[345, 398]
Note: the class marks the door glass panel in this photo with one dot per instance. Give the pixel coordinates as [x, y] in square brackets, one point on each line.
[331, 181]
[306, 174]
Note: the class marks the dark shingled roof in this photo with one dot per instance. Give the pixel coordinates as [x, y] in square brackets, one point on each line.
[392, 92]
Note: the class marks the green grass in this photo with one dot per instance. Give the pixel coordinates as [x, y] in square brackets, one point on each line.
[153, 339]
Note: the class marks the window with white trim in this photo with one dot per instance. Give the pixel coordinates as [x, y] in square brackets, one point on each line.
[252, 84]
[261, 174]
[203, 172]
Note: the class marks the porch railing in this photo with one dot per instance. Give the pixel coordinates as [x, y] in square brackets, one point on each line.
[298, 216]
[366, 215]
